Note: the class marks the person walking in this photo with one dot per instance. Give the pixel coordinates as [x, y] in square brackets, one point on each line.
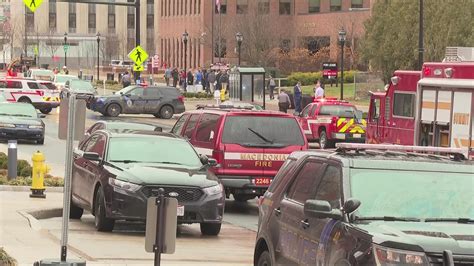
[182, 81]
[211, 79]
[272, 86]
[224, 78]
[318, 90]
[297, 97]
[283, 101]
[190, 77]
[168, 76]
[205, 87]
[126, 79]
[175, 75]
[218, 80]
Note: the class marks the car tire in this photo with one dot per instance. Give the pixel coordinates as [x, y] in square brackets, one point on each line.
[75, 212]
[210, 229]
[166, 112]
[40, 141]
[324, 143]
[243, 198]
[101, 222]
[24, 100]
[46, 110]
[113, 110]
[264, 259]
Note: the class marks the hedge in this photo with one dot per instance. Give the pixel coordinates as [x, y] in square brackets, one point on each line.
[309, 78]
[23, 168]
[197, 95]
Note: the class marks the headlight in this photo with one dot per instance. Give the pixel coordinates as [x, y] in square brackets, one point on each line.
[214, 190]
[390, 256]
[36, 127]
[7, 125]
[120, 186]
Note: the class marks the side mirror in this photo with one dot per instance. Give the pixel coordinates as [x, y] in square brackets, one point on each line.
[321, 209]
[41, 116]
[212, 162]
[204, 159]
[91, 156]
[351, 205]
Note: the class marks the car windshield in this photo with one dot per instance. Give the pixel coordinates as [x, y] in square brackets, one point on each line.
[42, 74]
[338, 110]
[125, 90]
[18, 109]
[130, 126]
[417, 194]
[152, 150]
[49, 85]
[63, 79]
[81, 85]
[262, 130]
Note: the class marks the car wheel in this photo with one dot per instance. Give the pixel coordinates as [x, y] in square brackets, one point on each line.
[243, 197]
[46, 110]
[114, 110]
[166, 112]
[264, 259]
[324, 143]
[40, 141]
[76, 212]
[210, 229]
[102, 223]
[24, 100]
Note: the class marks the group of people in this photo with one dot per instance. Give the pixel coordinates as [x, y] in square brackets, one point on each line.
[210, 80]
[284, 101]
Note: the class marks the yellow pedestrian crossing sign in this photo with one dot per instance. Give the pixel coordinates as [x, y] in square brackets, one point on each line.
[33, 4]
[138, 68]
[138, 55]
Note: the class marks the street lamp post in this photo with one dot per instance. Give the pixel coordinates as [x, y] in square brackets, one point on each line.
[185, 41]
[98, 54]
[342, 41]
[64, 47]
[240, 38]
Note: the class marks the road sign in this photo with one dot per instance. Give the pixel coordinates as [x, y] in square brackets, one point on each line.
[66, 47]
[138, 55]
[36, 50]
[33, 4]
[155, 61]
[138, 68]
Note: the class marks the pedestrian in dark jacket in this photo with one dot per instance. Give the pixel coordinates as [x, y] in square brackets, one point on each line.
[190, 77]
[205, 86]
[175, 75]
[211, 79]
[298, 97]
[218, 81]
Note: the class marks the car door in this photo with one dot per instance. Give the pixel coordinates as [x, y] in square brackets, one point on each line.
[94, 169]
[80, 172]
[294, 239]
[190, 127]
[303, 120]
[153, 98]
[134, 101]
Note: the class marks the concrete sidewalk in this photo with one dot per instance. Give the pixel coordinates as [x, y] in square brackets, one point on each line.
[28, 239]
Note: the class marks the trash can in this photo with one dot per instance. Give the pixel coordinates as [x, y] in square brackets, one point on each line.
[110, 76]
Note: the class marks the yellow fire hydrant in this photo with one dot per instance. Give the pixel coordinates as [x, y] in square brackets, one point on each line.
[40, 169]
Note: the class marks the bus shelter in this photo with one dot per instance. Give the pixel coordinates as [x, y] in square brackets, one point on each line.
[247, 84]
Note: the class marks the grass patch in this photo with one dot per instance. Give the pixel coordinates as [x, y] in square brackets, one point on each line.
[5, 259]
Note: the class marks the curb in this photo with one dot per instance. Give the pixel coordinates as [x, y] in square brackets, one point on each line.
[34, 215]
[27, 189]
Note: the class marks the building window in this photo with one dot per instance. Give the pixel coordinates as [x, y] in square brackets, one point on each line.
[223, 7]
[72, 17]
[30, 20]
[131, 18]
[182, 6]
[314, 6]
[285, 7]
[199, 6]
[92, 18]
[242, 6]
[52, 15]
[357, 3]
[111, 18]
[404, 105]
[336, 5]
[263, 7]
[285, 46]
[223, 48]
[150, 17]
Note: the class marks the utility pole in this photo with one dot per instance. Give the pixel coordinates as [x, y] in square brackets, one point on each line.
[421, 49]
[26, 32]
[137, 31]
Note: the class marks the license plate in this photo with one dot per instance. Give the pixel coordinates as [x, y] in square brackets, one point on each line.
[340, 136]
[180, 211]
[357, 135]
[262, 181]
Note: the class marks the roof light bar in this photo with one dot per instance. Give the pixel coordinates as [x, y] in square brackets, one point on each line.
[401, 148]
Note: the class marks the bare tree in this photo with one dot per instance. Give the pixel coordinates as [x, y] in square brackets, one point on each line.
[52, 45]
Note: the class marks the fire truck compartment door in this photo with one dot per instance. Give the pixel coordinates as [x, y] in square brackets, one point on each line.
[462, 119]
[443, 110]
[428, 104]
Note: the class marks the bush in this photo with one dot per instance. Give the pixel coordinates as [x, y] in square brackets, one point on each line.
[111, 82]
[49, 181]
[309, 78]
[197, 95]
[3, 161]
[24, 168]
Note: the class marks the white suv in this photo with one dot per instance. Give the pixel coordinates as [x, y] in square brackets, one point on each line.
[38, 93]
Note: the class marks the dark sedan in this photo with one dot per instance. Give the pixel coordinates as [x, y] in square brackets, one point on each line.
[162, 102]
[20, 121]
[115, 173]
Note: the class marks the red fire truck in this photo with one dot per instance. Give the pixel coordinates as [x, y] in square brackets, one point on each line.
[432, 107]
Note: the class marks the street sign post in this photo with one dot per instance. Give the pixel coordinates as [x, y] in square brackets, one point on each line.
[33, 4]
[138, 55]
[66, 47]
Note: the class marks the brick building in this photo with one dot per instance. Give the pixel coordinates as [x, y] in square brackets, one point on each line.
[310, 24]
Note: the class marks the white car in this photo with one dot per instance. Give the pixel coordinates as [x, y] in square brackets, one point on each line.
[41, 74]
[41, 95]
[60, 80]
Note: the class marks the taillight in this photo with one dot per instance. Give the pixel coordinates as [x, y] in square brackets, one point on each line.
[181, 99]
[426, 71]
[333, 120]
[41, 93]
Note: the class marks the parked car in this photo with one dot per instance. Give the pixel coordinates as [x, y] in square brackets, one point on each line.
[250, 145]
[41, 74]
[30, 91]
[78, 87]
[20, 121]
[369, 205]
[60, 80]
[115, 173]
[162, 102]
[121, 126]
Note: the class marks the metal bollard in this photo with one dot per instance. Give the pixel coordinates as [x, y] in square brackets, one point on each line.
[40, 169]
[12, 159]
